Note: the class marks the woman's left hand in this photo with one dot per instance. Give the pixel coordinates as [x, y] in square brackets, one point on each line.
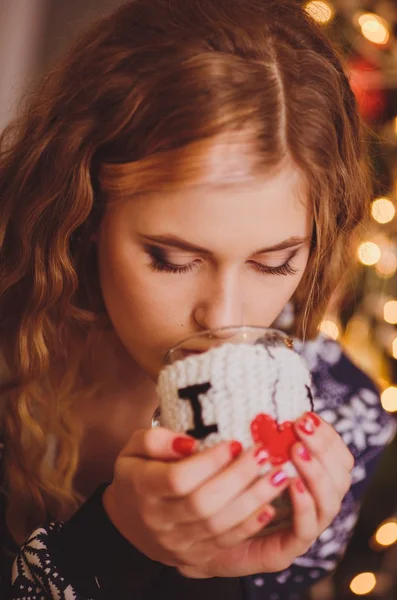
[324, 464]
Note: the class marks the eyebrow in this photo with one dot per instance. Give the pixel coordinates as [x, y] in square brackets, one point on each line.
[173, 241]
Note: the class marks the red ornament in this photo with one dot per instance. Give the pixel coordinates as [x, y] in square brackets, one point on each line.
[278, 439]
[366, 80]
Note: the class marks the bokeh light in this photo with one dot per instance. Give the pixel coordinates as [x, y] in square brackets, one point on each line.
[374, 28]
[369, 253]
[383, 210]
[363, 583]
[386, 534]
[389, 399]
[386, 267]
[390, 312]
[320, 11]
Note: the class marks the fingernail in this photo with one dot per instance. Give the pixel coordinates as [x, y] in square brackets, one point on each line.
[314, 418]
[183, 445]
[261, 455]
[278, 478]
[265, 517]
[303, 452]
[299, 486]
[306, 425]
[235, 449]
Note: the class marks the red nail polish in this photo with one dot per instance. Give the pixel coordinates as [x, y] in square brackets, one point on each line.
[261, 455]
[299, 486]
[306, 425]
[303, 453]
[235, 449]
[314, 418]
[278, 478]
[183, 445]
[265, 517]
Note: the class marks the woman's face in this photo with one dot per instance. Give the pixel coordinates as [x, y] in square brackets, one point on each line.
[229, 251]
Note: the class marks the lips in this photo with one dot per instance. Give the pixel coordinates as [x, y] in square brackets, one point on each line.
[182, 352]
[185, 352]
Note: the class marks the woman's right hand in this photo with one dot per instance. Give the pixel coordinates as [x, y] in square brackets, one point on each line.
[180, 510]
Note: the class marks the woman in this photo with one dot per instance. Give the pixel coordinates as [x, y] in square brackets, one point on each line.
[190, 164]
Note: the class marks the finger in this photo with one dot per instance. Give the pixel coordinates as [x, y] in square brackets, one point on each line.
[235, 511]
[217, 493]
[306, 527]
[246, 505]
[159, 443]
[281, 547]
[327, 498]
[249, 528]
[194, 573]
[323, 441]
[180, 478]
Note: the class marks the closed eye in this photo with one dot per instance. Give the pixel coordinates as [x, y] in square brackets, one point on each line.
[285, 269]
[160, 263]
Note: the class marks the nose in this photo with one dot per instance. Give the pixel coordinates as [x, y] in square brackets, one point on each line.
[220, 304]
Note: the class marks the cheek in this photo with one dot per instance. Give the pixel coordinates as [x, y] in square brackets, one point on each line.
[145, 307]
[270, 301]
[272, 294]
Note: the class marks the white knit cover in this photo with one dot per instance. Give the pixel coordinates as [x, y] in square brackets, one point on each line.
[246, 380]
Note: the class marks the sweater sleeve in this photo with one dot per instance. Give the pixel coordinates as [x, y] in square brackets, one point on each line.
[85, 558]
[346, 398]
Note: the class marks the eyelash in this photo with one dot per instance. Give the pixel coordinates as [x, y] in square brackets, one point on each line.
[160, 264]
[285, 269]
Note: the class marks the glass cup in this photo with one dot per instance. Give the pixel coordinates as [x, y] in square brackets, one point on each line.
[251, 335]
[211, 338]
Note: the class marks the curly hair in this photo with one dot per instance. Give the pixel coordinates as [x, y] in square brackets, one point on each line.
[141, 91]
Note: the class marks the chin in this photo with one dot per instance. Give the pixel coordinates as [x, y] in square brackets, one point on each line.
[152, 369]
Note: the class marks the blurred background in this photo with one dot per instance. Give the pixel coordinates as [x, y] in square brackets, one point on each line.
[34, 32]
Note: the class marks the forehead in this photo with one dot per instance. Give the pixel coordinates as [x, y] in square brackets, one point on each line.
[220, 191]
[225, 216]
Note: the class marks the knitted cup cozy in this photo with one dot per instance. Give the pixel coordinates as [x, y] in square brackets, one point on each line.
[245, 392]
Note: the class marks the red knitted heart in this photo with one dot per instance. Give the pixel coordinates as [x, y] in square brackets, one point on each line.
[278, 439]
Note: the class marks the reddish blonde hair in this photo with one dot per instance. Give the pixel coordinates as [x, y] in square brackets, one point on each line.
[155, 76]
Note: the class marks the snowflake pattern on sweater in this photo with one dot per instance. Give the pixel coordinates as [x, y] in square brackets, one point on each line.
[344, 397]
[35, 577]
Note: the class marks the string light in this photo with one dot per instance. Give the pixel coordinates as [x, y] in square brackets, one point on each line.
[386, 534]
[383, 210]
[389, 399]
[387, 264]
[363, 584]
[369, 253]
[329, 328]
[320, 11]
[390, 312]
[374, 28]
